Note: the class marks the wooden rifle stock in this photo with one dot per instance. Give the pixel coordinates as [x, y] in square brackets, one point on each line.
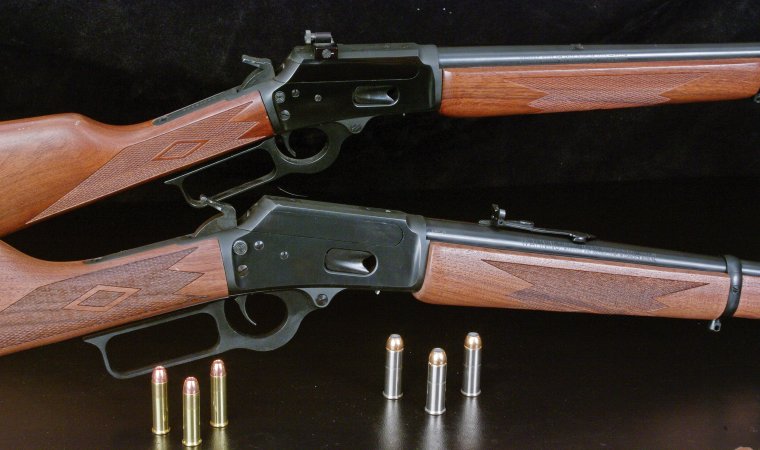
[43, 302]
[475, 276]
[52, 164]
[506, 90]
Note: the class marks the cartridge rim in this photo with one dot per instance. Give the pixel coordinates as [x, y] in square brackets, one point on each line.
[393, 397]
[470, 394]
[161, 432]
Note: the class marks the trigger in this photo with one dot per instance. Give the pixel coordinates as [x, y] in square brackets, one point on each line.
[240, 300]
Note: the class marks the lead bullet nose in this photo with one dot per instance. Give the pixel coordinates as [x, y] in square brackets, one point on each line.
[437, 357]
[218, 369]
[394, 343]
[159, 375]
[473, 341]
[191, 386]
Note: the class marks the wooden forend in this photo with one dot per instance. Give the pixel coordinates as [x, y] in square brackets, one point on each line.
[504, 90]
[52, 164]
[43, 302]
[473, 276]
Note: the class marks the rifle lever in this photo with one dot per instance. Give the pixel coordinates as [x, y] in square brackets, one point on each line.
[282, 165]
[499, 220]
[298, 303]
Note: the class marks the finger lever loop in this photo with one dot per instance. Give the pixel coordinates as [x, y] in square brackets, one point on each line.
[297, 303]
[282, 165]
[101, 340]
[205, 200]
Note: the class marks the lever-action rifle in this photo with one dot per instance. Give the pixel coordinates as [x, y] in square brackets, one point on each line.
[52, 164]
[305, 252]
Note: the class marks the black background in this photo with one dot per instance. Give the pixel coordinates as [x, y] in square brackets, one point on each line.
[682, 177]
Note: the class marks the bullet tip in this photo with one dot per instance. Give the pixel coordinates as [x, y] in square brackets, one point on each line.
[473, 341]
[218, 369]
[191, 386]
[394, 343]
[159, 375]
[437, 357]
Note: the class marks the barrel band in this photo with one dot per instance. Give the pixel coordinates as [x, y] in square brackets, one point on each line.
[734, 271]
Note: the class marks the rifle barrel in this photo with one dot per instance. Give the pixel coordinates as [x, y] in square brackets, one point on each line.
[449, 57]
[480, 236]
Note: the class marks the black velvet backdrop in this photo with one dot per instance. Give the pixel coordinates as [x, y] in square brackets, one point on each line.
[684, 177]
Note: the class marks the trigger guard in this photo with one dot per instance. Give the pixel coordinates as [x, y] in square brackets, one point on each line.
[336, 133]
[297, 303]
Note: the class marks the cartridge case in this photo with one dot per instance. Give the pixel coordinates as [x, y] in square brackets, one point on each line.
[394, 366]
[473, 348]
[435, 402]
[159, 382]
[218, 394]
[191, 413]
